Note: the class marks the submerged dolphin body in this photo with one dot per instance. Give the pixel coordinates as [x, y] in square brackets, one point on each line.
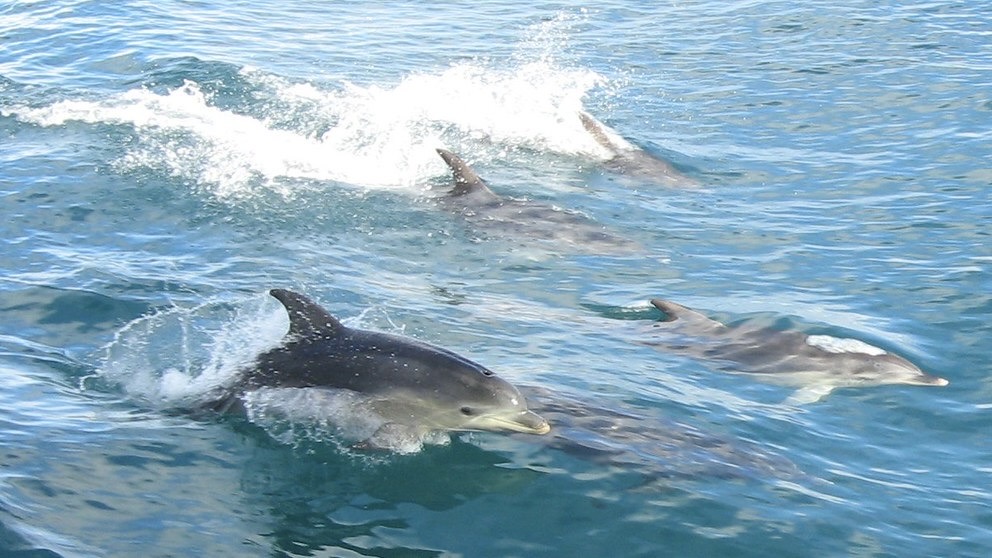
[631, 160]
[414, 387]
[614, 433]
[815, 364]
[472, 198]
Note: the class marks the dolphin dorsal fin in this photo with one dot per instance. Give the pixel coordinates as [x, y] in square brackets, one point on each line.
[466, 179]
[676, 311]
[596, 130]
[307, 319]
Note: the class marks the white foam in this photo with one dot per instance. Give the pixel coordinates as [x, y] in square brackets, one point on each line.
[292, 415]
[179, 355]
[289, 414]
[832, 344]
[184, 134]
[376, 137]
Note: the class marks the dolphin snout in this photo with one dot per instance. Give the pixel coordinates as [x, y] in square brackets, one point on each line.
[529, 422]
[928, 380]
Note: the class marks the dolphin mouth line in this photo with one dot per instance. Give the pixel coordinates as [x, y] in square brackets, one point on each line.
[527, 422]
[541, 430]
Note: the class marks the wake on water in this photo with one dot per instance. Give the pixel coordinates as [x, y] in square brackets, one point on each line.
[292, 135]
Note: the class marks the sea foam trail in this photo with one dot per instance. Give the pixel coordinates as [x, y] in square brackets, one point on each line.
[372, 137]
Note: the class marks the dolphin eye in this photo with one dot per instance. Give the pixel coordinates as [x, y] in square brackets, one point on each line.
[467, 411]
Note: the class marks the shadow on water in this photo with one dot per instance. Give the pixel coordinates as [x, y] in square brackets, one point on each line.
[16, 545]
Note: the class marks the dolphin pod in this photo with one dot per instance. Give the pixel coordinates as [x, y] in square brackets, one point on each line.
[413, 386]
[815, 364]
[416, 388]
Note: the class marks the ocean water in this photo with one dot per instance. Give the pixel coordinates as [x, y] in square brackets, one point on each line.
[164, 164]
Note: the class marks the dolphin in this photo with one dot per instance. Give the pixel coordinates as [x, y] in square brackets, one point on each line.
[815, 364]
[631, 160]
[472, 198]
[414, 387]
[619, 434]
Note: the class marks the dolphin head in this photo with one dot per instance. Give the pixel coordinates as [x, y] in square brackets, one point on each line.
[866, 364]
[408, 382]
[501, 407]
[893, 369]
[429, 386]
[467, 400]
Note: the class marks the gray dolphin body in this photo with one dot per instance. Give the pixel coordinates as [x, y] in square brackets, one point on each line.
[815, 364]
[631, 160]
[472, 198]
[413, 386]
[617, 434]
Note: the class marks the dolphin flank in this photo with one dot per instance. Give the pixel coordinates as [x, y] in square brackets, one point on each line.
[413, 386]
[815, 364]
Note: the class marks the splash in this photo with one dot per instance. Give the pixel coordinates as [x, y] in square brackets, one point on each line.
[291, 136]
[295, 416]
[175, 357]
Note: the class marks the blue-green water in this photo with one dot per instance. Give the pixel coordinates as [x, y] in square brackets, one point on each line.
[163, 164]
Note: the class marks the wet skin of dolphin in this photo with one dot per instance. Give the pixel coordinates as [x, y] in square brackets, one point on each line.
[631, 160]
[412, 385]
[816, 364]
[472, 198]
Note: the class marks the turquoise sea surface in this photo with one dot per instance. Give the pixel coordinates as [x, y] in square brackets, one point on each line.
[163, 164]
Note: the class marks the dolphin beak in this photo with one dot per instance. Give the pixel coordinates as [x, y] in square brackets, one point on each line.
[933, 381]
[527, 422]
